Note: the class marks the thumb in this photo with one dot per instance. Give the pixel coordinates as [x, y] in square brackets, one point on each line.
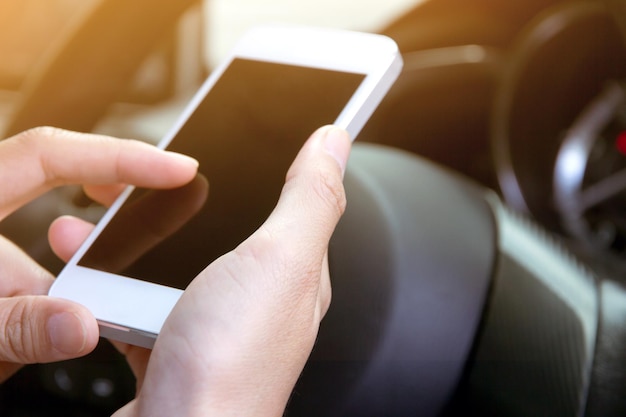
[313, 198]
[38, 329]
[256, 309]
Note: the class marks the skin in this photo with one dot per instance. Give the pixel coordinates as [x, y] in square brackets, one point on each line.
[240, 335]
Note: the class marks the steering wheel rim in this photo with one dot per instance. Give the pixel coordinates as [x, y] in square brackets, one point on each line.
[585, 151]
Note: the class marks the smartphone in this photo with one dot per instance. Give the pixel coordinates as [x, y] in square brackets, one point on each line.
[245, 125]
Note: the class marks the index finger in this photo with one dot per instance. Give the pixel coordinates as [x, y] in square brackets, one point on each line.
[39, 159]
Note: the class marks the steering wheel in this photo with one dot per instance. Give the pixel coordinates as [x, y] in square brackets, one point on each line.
[558, 122]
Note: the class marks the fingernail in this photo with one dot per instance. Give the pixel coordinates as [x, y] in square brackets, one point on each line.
[67, 333]
[337, 143]
[184, 158]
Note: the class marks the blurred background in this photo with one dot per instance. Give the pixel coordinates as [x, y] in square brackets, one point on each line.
[183, 56]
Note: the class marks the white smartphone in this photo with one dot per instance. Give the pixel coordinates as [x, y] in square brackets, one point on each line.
[245, 126]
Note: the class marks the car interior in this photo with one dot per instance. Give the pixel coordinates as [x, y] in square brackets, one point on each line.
[479, 267]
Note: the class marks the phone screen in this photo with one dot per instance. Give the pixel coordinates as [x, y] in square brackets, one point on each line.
[245, 133]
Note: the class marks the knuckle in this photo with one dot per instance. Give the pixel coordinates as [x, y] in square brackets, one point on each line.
[329, 188]
[33, 143]
[39, 133]
[18, 337]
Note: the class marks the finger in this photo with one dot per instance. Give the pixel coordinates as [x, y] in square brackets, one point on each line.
[313, 197]
[40, 329]
[291, 246]
[19, 274]
[66, 234]
[41, 158]
[104, 194]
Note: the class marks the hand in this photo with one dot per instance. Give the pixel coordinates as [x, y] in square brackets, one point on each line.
[240, 335]
[33, 327]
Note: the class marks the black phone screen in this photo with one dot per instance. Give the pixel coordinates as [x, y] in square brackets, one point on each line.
[245, 133]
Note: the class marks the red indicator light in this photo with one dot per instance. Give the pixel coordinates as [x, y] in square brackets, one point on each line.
[620, 143]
